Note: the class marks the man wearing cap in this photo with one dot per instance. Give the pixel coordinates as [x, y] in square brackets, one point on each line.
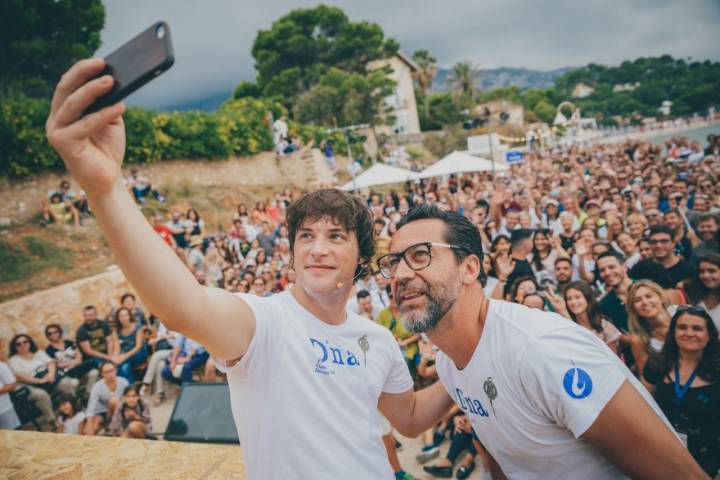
[546, 397]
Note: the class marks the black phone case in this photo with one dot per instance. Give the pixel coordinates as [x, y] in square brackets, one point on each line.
[136, 63]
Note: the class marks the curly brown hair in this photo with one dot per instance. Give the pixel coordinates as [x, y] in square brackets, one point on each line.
[342, 208]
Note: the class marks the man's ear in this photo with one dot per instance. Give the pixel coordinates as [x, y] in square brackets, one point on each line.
[471, 270]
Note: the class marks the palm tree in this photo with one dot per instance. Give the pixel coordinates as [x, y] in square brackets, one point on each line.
[463, 78]
[425, 74]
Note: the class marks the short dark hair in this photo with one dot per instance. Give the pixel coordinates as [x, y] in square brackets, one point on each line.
[53, 325]
[562, 259]
[708, 216]
[655, 229]
[519, 235]
[340, 206]
[459, 231]
[126, 295]
[676, 211]
[89, 307]
[362, 294]
[611, 253]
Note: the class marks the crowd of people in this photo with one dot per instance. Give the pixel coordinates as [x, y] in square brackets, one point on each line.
[99, 380]
[623, 240]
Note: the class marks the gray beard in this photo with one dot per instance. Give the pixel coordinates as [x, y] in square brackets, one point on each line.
[440, 299]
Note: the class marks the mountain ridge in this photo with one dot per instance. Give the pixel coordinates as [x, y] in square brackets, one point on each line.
[491, 78]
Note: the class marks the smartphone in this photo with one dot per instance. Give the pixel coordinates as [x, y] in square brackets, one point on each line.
[137, 62]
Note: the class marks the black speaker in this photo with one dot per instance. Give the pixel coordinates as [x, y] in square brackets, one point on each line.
[202, 414]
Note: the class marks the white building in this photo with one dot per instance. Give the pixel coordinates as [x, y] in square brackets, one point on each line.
[402, 104]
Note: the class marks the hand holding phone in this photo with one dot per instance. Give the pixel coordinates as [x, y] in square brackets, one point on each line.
[93, 147]
[134, 64]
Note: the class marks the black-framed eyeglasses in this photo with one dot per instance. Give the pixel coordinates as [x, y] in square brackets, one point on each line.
[417, 257]
[53, 332]
[21, 342]
[656, 241]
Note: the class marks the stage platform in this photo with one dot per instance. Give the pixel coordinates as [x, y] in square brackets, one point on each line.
[51, 456]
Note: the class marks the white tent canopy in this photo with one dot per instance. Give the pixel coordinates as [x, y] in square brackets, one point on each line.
[459, 162]
[379, 174]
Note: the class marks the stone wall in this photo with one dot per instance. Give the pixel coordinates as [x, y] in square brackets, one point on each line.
[20, 200]
[62, 305]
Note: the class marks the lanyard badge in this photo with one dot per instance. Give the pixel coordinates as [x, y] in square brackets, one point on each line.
[680, 389]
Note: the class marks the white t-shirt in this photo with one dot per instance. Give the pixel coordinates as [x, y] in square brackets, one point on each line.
[6, 378]
[304, 396]
[100, 396]
[29, 368]
[72, 425]
[551, 379]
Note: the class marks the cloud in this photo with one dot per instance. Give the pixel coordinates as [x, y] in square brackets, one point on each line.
[213, 39]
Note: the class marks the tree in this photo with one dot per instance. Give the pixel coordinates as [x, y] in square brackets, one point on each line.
[39, 40]
[345, 98]
[463, 78]
[246, 89]
[427, 69]
[304, 44]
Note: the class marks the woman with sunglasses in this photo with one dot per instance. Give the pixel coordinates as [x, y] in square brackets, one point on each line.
[38, 372]
[684, 378]
[68, 357]
[649, 313]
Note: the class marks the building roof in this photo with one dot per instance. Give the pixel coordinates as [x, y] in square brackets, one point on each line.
[410, 63]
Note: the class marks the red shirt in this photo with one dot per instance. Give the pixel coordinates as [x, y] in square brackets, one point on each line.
[164, 233]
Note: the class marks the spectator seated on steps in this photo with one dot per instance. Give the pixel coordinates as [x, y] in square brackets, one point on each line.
[141, 187]
[60, 211]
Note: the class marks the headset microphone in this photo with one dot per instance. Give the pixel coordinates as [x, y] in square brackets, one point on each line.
[363, 269]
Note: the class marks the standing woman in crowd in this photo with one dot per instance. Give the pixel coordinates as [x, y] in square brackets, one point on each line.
[636, 225]
[629, 248]
[567, 230]
[648, 320]
[583, 309]
[685, 381]
[703, 289]
[132, 344]
[194, 226]
[241, 213]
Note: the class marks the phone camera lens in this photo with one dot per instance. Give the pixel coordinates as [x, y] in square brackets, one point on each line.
[160, 31]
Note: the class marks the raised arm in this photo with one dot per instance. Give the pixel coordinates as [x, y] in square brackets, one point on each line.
[92, 148]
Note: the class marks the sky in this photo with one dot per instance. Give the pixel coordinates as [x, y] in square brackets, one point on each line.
[213, 38]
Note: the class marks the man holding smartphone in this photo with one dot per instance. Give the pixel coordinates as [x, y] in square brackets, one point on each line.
[306, 378]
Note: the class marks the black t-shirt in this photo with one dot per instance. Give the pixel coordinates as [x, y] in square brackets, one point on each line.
[680, 271]
[96, 334]
[613, 308]
[522, 269]
[53, 352]
[697, 416]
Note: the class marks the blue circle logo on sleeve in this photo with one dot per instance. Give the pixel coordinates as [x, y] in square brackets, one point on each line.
[577, 383]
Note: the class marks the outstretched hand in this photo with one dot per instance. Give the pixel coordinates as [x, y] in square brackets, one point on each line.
[92, 146]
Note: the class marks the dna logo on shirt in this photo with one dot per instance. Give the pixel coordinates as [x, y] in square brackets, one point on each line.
[333, 356]
[469, 404]
[577, 383]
